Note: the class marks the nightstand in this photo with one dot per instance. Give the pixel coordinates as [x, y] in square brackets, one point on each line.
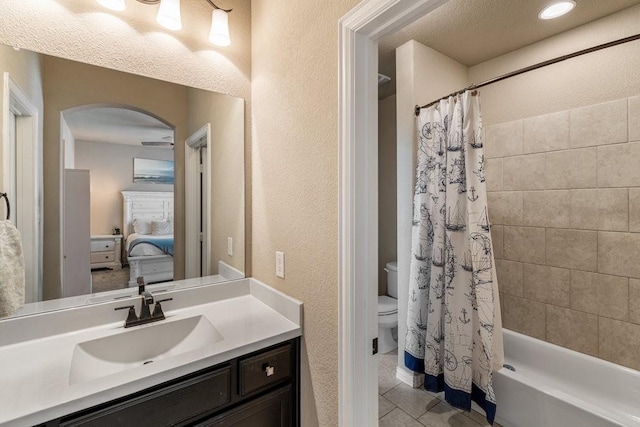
[105, 251]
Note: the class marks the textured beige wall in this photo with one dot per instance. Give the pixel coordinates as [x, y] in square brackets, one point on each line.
[69, 84]
[226, 115]
[132, 41]
[111, 171]
[295, 177]
[562, 159]
[387, 188]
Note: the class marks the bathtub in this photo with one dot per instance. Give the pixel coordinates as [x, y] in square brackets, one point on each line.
[556, 387]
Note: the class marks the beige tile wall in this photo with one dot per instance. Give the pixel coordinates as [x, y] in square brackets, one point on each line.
[564, 202]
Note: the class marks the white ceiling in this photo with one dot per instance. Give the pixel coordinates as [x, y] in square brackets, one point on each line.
[474, 31]
[116, 126]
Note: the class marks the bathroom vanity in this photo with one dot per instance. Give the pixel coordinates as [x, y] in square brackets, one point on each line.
[256, 389]
[226, 354]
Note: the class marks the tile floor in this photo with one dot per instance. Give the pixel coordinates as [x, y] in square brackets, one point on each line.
[402, 406]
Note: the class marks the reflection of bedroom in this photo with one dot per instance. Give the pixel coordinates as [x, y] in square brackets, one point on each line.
[110, 148]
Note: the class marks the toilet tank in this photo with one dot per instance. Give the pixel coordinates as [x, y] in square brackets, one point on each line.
[392, 279]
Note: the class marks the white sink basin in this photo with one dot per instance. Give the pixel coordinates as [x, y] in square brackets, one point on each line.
[139, 346]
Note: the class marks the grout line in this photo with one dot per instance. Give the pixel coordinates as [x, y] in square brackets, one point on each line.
[545, 322]
[628, 210]
[502, 174]
[570, 282]
[598, 335]
[628, 127]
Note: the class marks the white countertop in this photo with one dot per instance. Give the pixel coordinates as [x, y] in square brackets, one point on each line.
[36, 351]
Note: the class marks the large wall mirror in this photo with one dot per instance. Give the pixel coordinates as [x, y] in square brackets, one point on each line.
[111, 176]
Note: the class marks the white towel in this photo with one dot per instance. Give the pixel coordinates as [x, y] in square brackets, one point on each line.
[11, 269]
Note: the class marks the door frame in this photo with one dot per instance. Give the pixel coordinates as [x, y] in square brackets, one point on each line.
[192, 173]
[27, 200]
[360, 30]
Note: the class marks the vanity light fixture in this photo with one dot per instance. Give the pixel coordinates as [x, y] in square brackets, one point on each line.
[219, 34]
[557, 9]
[169, 17]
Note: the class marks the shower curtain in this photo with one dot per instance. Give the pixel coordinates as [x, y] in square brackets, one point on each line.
[454, 331]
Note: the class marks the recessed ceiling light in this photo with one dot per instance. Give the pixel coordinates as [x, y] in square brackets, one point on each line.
[557, 9]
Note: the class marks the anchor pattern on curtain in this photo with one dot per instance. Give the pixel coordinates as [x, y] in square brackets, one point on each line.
[452, 298]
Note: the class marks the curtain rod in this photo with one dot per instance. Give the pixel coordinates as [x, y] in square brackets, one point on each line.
[533, 67]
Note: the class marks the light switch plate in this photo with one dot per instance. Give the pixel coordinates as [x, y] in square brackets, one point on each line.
[230, 246]
[280, 264]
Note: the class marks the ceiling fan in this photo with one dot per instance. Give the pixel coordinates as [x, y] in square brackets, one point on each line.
[167, 141]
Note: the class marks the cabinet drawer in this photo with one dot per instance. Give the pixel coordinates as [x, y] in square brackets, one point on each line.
[272, 410]
[102, 245]
[168, 406]
[97, 257]
[265, 369]
[162, 266]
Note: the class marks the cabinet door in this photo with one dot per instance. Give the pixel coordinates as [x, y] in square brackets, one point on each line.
[168, 406]
[271, 410]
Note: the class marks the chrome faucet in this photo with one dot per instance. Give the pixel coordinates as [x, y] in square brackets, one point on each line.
[145, 312]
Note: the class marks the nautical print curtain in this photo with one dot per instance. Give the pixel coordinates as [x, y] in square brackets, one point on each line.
[453, 312]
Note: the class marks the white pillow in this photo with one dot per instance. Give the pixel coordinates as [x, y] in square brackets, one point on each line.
[161, 228]
[141, 226]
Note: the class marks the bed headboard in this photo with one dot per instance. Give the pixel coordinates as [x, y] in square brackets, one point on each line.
[145, 205]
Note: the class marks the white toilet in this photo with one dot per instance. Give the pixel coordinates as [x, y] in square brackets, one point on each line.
[388, 312]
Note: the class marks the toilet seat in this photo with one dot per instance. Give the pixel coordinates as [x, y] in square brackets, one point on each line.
[387, 305]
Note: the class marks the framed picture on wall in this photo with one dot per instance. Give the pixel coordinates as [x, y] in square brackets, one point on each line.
[153, 171]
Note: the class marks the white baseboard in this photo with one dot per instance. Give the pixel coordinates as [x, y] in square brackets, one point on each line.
[409, 378]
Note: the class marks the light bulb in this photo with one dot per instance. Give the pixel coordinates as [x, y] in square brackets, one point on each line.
[169, 14]
[220, 28]
[556, 10]
[113, 4]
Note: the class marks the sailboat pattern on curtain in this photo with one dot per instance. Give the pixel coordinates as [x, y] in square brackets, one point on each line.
[450, 318]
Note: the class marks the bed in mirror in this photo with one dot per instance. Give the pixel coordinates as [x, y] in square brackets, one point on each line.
[111, 176]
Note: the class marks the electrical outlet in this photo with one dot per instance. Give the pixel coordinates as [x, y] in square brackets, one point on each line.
[230, 246]
[280, 264]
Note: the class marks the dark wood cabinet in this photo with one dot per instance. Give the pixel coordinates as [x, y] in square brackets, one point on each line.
[271, 410]
[169, 405]
[260, 389]
[259, 372]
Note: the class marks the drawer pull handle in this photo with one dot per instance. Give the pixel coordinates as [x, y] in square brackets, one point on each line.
[269, 370]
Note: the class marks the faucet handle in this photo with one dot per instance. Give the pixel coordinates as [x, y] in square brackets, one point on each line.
[157, 309]
[131, 316]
